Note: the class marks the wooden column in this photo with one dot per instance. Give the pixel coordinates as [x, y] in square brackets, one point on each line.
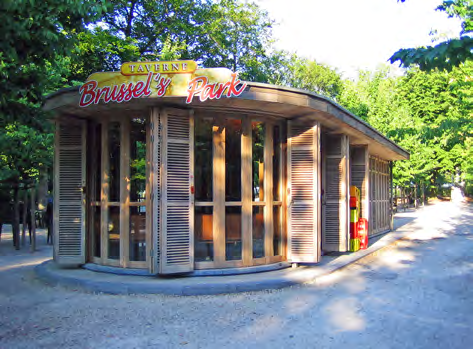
[124, 192]
[246, 193]
[219, 193]
[268, 192]
[105, 192]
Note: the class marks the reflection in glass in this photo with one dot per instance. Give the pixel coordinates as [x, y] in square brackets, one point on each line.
[137, 233]
[203, 230]
[138, 160]
[276, 163]
[114, 160]
[277, 237]
[233, 233]
[203, 159]
[257, 144]
[114, 232]
[97, 165]
[96, 215]
[258, 231]
[232, 160]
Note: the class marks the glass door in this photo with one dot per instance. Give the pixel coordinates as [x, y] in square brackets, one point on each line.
[118, 197]
[238, 186]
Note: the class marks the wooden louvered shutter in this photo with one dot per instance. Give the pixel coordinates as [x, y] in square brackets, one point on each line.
[360, 176]
[177, 213]
[69, 184]
[303, 183]
[336, 219]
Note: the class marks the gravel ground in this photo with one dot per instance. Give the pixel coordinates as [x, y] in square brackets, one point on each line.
[414, 294]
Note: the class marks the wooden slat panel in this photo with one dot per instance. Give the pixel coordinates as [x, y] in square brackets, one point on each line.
[177, 213]
[379, 196]
[69, 247]
[303, 169]
[336, 210]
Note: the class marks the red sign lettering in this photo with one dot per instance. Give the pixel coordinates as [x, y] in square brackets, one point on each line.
[199, 86]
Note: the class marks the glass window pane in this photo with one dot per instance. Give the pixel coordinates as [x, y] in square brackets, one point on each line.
[276, 163]
[138, 160]
[257, 143]
[114, 232]
[138, 233]
[203, 230]
[277, 236]
[96, 215]
[233, 160]
[114, 160]
[233, 233]
[203, 168]
[258, 231]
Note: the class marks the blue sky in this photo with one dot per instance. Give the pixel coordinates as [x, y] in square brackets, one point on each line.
[355, 34]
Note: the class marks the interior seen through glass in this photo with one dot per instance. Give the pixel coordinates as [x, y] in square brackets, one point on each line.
[233, 246]
[204, 247]
[258, 231]
[137, 224]
[276, 163]
[137, 233]
[232, 160]
[203, 168]
[114, 232]
[277, 232]
[114, 161]
[96, 216]
[258, 135]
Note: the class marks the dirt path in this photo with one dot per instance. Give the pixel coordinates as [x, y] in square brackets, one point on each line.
[416, 294]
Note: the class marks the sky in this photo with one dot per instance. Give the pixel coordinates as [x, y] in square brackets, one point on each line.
[355, 34]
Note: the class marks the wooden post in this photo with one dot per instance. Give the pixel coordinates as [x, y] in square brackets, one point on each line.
[415, 196]
[24, 217]
[124, 193]
[219, 194]
[423, 193]
[33, 220]
[391, 221]
[246, 193]
[16, 216]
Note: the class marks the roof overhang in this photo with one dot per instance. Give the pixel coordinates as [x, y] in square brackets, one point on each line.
[262, 99]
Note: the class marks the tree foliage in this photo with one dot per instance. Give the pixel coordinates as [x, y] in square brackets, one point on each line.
[428, 113]
[447, 54]
[36, 38]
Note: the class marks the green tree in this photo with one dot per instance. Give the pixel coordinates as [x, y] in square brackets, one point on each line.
[36, 36]
[449, 53]
[428, 113]
[309, 75]
[222, 33]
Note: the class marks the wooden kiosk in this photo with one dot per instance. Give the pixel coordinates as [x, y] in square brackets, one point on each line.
[170, 168]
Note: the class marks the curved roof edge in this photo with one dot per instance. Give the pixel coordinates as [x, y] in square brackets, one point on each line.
[404, 153]
[332, 102]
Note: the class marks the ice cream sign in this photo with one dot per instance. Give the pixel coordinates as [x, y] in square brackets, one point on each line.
[159, 79]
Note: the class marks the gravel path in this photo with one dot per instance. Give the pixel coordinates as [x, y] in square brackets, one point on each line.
[415, 294]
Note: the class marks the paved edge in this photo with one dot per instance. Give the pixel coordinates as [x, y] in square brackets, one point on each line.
[299, 276]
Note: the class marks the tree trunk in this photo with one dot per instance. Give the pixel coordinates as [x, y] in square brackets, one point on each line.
[25, 217]
[16, 217]
[33, 220]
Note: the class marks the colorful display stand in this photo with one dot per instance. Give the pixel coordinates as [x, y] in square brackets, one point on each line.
[358, 238]
[362, 230]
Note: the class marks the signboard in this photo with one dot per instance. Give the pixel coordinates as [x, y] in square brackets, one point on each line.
[160, 79]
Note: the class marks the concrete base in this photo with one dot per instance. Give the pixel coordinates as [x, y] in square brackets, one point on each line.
[207, 272]
[206, 285]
